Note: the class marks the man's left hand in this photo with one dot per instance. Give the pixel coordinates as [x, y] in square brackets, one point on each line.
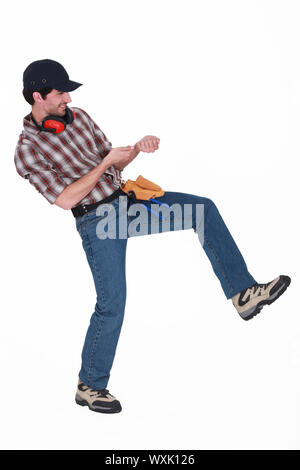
[148, 144]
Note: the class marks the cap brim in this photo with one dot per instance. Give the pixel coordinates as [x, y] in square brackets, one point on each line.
[68, 86]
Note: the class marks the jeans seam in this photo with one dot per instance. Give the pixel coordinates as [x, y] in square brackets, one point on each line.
[91, 362]
[220, 265]
[99, 328]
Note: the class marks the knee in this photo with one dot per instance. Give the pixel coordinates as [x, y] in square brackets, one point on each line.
[210, 208]
[111, 308]
[208, 203]
[115, 303]
[121, 299]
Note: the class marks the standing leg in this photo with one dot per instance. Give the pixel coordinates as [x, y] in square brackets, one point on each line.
[106, 259]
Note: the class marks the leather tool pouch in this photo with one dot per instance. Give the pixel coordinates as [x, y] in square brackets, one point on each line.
[142, 188]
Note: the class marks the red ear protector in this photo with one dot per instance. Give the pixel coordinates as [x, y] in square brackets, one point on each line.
[55, 124]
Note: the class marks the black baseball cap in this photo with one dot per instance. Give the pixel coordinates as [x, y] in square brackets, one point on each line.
[47, 73]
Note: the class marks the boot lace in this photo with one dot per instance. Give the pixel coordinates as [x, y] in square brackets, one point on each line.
[100, 393]
[257, 289]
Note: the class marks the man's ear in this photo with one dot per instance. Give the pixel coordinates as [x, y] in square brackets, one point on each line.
[37, 96]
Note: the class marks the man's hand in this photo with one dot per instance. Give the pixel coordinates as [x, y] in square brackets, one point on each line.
[148, 144]
[120, 156]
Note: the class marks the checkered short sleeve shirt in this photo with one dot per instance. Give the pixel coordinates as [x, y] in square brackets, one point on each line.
[51, 162]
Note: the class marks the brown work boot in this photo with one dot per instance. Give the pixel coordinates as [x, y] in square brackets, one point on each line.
[250, 301]
[97, 400]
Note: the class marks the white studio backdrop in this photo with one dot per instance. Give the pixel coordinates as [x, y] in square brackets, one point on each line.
[219, 83]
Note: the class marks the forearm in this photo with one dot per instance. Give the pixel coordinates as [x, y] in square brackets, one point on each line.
[76, 191]
[133, 155]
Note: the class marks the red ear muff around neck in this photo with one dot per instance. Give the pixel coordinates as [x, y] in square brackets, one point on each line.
[54, 125]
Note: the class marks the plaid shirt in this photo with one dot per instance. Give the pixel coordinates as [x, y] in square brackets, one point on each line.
[51, 162]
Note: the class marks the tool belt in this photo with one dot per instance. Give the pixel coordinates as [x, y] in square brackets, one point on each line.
[140, 189]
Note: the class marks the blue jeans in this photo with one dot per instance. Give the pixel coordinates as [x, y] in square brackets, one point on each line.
[106, 258]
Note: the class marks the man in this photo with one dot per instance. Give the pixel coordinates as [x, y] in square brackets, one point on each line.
[69, 160]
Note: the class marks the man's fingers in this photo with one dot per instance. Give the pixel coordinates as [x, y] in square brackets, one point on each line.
[148, 145]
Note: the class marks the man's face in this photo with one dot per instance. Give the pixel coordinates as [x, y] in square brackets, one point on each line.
[55, 103]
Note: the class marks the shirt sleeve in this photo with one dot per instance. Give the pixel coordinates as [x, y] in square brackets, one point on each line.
[101, 137]
[104, 146]
[31, 165]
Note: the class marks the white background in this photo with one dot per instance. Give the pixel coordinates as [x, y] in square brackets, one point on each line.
[219, 83]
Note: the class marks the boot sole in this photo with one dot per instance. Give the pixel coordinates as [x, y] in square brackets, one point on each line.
[270, 300]
[104, 409]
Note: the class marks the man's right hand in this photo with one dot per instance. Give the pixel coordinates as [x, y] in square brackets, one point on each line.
[119, 155]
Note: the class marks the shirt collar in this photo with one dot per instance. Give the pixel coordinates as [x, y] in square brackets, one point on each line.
[29, 125]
